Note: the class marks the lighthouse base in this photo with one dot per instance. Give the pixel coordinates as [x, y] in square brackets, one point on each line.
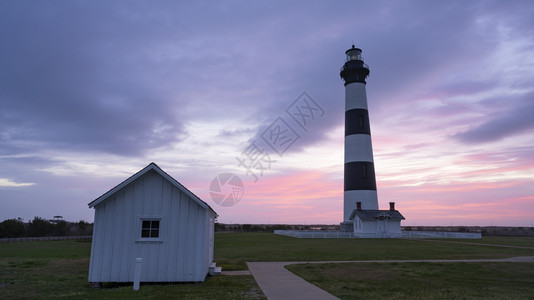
[346, 226]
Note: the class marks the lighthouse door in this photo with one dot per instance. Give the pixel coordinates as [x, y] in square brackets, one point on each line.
[383, 225]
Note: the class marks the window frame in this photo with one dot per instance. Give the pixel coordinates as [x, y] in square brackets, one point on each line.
[140, 229]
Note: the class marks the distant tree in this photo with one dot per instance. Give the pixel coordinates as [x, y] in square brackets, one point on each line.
[281, 227]
[39, 227]
[61, 228]
[11, 228]
[83, 225]
[220, 227]
[80, 228]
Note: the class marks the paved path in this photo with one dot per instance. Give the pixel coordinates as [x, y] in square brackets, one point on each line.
[277, 282]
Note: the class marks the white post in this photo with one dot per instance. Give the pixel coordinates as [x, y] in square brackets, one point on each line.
[137, 274]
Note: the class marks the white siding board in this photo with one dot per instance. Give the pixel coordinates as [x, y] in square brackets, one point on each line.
[149, 194]
[138, 209]
[210, 234]
[111, 212]
[158, 194]
[158, 210]
[191, 245]
[184, 252]
[114, 263]
[131, 226]
[200, 234]
[172, 249]
[122, 238]
[179, 234]
[127, 241]
[106, 253]
[164, 250]
[118, 237]
[96, 247]
[101, 241]
[98, 226]
[103, 238]
[183, 230]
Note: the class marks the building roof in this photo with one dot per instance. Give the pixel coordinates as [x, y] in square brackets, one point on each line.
[151, 166]
[366, 215]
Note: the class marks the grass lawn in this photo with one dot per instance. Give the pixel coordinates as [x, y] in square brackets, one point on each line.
[59, 269]
[421, 280]
[232, 250]
[501, 240]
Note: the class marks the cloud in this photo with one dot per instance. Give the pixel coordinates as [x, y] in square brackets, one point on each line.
[69, 83]
[504, 124]
[96, 90]
[5, 182]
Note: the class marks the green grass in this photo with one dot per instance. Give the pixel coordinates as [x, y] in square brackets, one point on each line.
[60, 278]
[421, 280]
[232, 250]
[47, 249]
[501, 240]
[59, 269]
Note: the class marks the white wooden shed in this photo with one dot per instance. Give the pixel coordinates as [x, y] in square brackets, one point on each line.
[151, 216]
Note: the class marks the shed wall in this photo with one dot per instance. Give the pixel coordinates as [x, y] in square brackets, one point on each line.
[376, 226]
[181, 253]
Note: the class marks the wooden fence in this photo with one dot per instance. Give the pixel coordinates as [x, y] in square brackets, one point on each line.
[45, 238]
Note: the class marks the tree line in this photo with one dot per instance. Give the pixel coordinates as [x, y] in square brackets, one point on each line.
[38, 227]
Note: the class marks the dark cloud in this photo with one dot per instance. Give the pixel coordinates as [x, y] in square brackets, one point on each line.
[69, 81]
[126, 77]
[503, 124]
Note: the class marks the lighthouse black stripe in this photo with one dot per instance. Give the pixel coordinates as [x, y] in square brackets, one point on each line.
[357, 121]
[360, 175]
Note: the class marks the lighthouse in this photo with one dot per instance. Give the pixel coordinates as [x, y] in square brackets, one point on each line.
[359, 170]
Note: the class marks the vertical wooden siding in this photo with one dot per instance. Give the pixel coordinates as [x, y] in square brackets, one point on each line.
[183, 254]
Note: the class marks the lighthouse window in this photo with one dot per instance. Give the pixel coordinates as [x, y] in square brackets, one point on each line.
[364, 171]
[362, 122]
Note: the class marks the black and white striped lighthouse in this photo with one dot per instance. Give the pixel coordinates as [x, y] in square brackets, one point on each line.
[360, 182]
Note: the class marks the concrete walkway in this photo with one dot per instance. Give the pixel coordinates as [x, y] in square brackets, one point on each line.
[277, 282]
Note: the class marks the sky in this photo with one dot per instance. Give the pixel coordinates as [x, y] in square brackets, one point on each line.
[93, 91]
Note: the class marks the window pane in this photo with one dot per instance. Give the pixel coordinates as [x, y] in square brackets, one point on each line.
[146, 225]
[150, 228]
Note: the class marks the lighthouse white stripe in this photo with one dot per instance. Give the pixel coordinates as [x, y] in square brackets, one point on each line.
[358, 147]
[369, 200]
[355, 96]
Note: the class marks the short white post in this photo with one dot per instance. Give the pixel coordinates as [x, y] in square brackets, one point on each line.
[137, 274]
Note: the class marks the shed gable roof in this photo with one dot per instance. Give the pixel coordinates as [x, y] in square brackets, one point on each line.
[151, 166]
[366, 215]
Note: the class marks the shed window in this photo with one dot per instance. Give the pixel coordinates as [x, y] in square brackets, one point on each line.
[150, 229]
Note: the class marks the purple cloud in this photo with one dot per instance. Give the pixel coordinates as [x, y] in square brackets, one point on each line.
[502, 125]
